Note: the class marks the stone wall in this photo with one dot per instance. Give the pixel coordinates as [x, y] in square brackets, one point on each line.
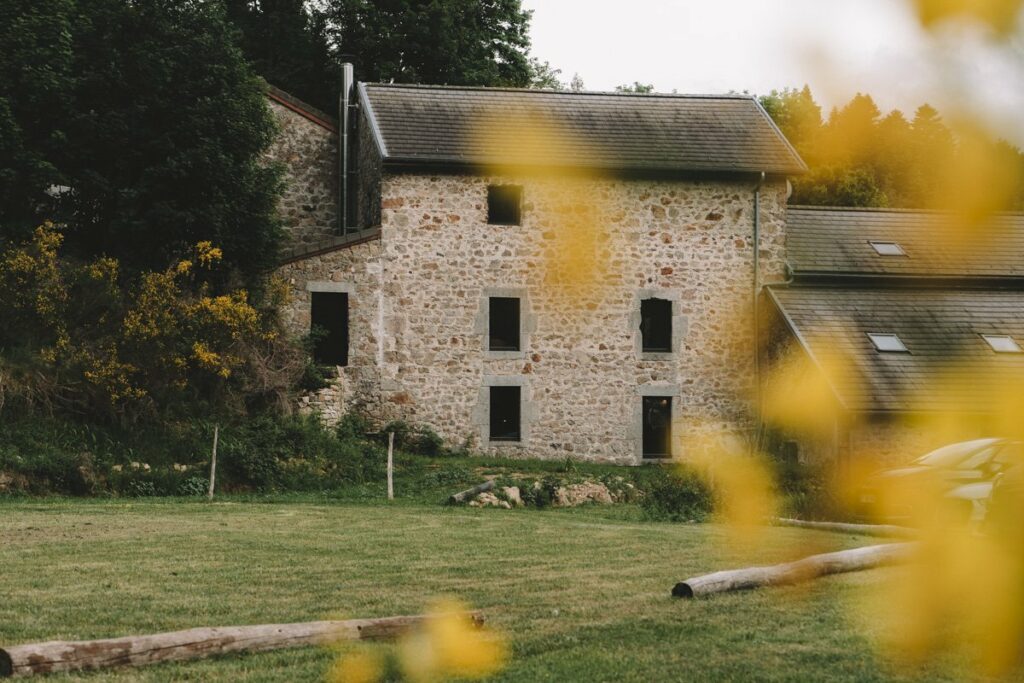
[309, 153]
[588, 250]
[356, 270]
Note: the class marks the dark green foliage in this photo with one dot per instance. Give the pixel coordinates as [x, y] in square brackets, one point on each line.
[36, 56]
[353, 426]
[286, 43]
[456, 42]
[840, 186]
[538, 494]
[417, 439]
[194, 487]
[809, 492]
[675, 494]
[150, 115]
[267, 453]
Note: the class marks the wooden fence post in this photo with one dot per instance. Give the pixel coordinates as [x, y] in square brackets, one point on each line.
[391, 465]
[213, 462]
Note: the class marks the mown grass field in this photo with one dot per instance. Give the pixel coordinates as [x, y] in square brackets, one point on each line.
[582, 594]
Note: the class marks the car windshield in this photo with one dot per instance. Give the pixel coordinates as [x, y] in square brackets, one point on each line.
[966, 455]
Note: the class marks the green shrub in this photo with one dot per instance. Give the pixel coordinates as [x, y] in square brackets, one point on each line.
[677, 494]
[194, 487]
[449, 476]
[808, 492]
[540, 494]
[354, 426]
[141, 488]
[417, 439]
[266, 453]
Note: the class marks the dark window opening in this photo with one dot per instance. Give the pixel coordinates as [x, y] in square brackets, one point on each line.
[504, 204]
[657, 427]
[656, 325]
[503, 320]
[505, 414]
[329, 327]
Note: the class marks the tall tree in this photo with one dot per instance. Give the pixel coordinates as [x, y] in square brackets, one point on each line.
[544, 76]
[36, 55]
[455, 42]
[145, 122]
[861, 158]
[797, 115]
[286, 43]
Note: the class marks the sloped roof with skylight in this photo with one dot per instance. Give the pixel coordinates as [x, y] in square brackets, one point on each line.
[950, 363]
[827, 242]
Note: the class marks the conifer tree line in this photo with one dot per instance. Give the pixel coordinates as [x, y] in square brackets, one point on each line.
[859, 156]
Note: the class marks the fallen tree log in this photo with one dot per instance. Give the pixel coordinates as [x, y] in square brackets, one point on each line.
[888, 530]
[794, 572]
[463, 496]
[196, 643]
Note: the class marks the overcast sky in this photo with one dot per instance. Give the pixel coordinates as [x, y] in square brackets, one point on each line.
[838, 47]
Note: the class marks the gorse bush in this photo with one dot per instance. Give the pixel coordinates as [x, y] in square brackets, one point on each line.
[79, 340]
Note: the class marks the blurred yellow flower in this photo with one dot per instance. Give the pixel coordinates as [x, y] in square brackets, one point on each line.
[999, 15]
[356, 667]
[450, 644]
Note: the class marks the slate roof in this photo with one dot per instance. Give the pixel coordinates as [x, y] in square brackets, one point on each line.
[948, 367]
[476, 127]
[835, 241]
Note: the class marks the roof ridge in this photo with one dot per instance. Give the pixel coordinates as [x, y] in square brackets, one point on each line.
[549, 91]
[302, 108]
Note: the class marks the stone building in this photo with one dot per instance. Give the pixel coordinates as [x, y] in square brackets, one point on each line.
[535, 272]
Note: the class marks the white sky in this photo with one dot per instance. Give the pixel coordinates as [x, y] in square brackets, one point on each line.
[838, 47]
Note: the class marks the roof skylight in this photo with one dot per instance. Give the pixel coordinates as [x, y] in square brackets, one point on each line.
[887, 248]
[888, 343]
[1002, 343]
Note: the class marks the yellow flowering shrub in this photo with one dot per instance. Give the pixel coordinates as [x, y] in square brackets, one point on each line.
[162, 341]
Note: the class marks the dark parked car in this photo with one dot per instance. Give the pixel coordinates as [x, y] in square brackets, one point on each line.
[962, 473]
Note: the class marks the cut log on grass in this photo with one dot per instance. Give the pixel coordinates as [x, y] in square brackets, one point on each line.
[196, 643]
[794, 572]
[887, 530]
[469, 494]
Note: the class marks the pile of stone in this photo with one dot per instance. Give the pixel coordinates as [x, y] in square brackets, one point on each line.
[510, 498]
[569, 495]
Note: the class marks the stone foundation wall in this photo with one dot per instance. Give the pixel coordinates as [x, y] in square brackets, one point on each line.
[588, 250]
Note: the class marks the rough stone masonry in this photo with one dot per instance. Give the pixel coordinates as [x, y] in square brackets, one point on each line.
[588, 250]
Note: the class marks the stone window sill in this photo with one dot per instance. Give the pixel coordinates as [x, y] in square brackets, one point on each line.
[504, 355]
[657, 355]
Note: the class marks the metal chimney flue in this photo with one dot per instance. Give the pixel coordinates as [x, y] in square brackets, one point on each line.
[344, 104]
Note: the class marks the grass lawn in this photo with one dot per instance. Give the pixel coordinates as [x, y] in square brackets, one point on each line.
[583, 594]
